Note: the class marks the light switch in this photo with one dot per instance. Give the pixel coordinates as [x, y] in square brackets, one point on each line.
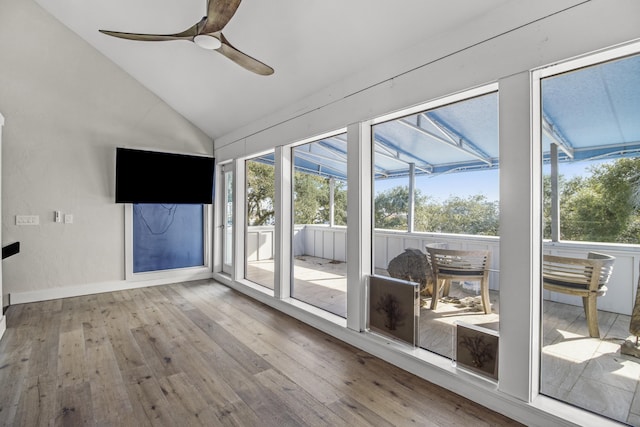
[68, 218]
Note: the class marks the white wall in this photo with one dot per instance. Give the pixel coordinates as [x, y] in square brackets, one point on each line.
[66, 108]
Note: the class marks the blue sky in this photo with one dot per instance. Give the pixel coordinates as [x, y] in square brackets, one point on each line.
[461, 184]
[466, 184]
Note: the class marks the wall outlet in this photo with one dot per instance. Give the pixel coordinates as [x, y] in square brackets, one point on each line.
[68, 218]
[27, 220]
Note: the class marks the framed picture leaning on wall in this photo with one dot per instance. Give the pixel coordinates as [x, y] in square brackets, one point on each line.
[476, 349]
[394, 308]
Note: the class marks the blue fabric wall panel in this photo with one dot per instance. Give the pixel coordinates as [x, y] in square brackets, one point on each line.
[167, 236]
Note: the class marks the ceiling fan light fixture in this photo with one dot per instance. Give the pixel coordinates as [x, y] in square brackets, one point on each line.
[207, 34]
[207, 42]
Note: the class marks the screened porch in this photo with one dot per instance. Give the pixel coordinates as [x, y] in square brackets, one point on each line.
[436, 180]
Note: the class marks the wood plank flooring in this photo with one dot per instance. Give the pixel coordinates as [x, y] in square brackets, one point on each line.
[200, 353]
[589, 373]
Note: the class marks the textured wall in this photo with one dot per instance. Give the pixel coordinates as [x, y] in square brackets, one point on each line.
[66, 108]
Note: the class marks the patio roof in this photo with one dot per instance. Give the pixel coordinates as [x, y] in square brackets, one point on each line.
[592, 113]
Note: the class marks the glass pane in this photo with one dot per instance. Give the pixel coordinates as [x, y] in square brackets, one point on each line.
[436, 183]
[591, 183]
[319, 229]
[167, 236]
[260, 195]
[228, 219]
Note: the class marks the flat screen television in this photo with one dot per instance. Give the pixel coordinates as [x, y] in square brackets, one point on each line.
[155, 177]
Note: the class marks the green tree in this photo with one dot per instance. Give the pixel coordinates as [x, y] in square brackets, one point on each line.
[428, 215]
[546, 207]
[391, 208]
[471, 215]
[312, 200]
[311, 197]
[564, 187]
[260, 193]
[340, 203]
[602, 207]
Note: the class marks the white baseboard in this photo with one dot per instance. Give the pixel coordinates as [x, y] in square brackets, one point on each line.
[97, 288]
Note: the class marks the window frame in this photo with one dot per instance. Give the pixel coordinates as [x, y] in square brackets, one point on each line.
[242, 211]
[537, 76]
[287, 190]
[457, 97]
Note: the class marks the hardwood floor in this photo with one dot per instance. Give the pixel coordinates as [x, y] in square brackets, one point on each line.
[202, 354]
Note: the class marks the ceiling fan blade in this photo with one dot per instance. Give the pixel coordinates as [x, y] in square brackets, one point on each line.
[243, 59]
[219, 13]
[188, 34]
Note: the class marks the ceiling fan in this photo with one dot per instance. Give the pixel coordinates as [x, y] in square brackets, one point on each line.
[208, 34]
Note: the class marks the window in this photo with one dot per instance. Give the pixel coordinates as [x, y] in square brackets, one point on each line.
[319, 224]
[227, 219]
[260, 196]
[436, 182]
[590, 149]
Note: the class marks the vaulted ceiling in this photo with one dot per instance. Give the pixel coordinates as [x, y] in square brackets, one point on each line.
[311, 44]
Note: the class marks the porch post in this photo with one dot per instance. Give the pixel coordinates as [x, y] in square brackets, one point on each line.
[332, 204]
[555, 199]
[412, 198]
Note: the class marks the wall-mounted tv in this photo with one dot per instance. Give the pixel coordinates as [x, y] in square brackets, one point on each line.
[155, 177]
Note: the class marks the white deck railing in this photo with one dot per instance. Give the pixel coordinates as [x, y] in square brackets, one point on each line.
[331, 243]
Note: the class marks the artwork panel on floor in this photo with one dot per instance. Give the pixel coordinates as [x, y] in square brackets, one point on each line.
[394, 308]
[476, 349]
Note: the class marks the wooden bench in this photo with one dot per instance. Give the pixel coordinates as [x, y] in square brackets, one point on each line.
[586, 278]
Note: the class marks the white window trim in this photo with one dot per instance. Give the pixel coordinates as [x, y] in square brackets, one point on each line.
[546, 402]
[587, 60]
[462, 95]
[219, 217]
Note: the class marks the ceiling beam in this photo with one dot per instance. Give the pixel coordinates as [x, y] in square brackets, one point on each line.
[342, 154]
[445, 141]
[452, 138]
[385, 143]
[556, 137]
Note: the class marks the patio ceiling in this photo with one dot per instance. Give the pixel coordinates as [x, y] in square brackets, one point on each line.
[452, 138]
[592, 113]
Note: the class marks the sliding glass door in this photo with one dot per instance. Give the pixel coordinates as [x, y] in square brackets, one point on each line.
[227, 220]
